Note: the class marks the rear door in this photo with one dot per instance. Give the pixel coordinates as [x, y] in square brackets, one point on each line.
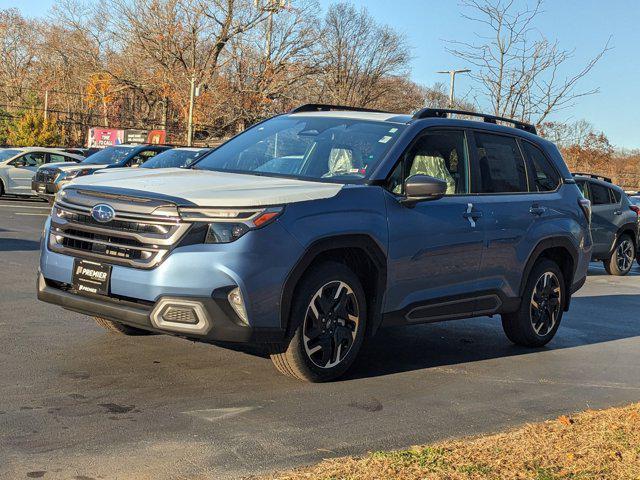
[603, 218]
[509, 211]
[435, 248]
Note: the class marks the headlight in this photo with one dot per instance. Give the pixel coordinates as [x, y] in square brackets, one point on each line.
[228, 225]
[75, 173]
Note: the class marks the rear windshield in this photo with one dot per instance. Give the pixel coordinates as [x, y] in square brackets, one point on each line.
[174, 158]
[108, 156]
[331, 149]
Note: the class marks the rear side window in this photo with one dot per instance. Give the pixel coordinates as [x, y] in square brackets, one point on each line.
[599, 194]
[502, 168]
[54, 158]
[544, 176]
[615, 196]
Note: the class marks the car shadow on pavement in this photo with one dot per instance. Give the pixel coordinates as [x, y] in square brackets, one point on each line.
[18, 245]
[403, 349]
[20, 199]
[597, 271]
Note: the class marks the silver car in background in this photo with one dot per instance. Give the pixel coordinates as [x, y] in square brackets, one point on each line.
[18, 166]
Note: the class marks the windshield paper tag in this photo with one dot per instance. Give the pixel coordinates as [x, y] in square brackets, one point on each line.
[384, 139]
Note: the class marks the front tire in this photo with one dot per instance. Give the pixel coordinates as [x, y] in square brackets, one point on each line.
[621, 260]
[330, 307]
[536, 322]
[119, 328]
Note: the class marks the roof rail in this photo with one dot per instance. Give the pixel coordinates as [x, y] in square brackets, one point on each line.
[321, 107]
[593, 175]
[445, 112]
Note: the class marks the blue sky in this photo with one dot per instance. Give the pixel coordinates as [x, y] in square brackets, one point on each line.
[581, 24]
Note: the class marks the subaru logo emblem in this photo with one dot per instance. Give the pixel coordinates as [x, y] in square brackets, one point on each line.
[103, 213]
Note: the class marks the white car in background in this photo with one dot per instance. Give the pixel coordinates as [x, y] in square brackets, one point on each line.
[18, 166]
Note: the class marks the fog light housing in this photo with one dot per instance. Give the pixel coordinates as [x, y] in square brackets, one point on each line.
[237, 303]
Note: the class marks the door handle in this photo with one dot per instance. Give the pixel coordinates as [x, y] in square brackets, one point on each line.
[617, 212]
[537, 209]
[471, 214]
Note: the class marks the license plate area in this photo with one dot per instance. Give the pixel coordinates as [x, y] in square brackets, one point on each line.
[91, 278]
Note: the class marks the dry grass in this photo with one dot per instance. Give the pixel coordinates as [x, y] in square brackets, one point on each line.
[601, 444]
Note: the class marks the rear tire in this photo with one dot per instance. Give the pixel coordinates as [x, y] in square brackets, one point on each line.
[1, 188]
[330, 308]
[537, 319]
[119, 328]
[621, 260]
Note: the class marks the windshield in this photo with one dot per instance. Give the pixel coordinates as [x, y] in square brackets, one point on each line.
[108, 156]
[326, 148]
[174, 158]
[6, 154]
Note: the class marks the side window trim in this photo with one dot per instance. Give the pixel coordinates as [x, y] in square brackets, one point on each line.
[528, 171]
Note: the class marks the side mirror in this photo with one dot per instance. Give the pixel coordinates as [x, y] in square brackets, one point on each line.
[418, 188]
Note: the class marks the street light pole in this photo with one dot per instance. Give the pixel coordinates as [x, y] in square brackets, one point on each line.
[46, 105]
[192, 94]
[452, 75]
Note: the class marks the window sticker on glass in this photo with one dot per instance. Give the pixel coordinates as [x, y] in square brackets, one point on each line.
[393, 130]
[384, 139]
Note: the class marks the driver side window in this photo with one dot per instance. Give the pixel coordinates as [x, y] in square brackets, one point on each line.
[142, 157]
[32, 159]
[438, 154]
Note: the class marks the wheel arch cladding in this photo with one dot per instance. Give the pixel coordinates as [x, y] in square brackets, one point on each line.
[361, 254]
[559, 250]
[629, 229]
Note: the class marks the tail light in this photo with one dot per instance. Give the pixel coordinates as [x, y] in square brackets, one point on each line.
[585, 205]
[635, 208]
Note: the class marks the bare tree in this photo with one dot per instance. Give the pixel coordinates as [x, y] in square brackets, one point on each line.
[18, 54]
[357, 54]
[521, 72]
[259, 80]
[565, 134]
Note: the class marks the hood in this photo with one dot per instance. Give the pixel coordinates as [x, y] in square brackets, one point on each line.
[58, 165]
[209, 189]
[69, 166]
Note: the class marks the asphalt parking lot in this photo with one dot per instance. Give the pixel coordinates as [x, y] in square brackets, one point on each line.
[79, 403]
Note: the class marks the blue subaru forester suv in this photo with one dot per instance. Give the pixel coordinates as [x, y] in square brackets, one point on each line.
[311, 230]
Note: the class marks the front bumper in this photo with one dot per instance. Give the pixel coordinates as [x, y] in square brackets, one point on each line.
[44, 189]
[217, 321]
[201, 272]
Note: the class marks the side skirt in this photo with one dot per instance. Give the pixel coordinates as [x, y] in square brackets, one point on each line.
[452, 308]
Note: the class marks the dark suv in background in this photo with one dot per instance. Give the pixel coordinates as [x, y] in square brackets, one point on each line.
[614, 223]
[380, 219]
[50, 178]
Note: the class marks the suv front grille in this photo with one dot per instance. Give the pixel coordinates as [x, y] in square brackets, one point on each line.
[45, 175]
[131, 239]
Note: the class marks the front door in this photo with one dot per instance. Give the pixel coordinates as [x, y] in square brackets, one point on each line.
[435, 246]
[22, 170]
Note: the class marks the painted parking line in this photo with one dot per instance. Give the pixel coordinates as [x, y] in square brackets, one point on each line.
[33, 214]
[43, 207]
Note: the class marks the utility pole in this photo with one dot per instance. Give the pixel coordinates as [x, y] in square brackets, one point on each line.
[46, 104]
[269, 32]
[272, 7]
[452, 75]
[192, 95]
